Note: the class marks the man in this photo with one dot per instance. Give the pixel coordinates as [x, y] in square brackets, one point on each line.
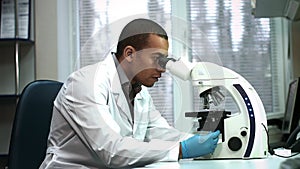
[104, 117]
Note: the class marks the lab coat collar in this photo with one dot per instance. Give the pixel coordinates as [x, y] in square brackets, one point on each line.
[117, 88]
[118, 76]
[122, 76]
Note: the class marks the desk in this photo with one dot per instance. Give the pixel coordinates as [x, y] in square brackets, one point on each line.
[272, 162]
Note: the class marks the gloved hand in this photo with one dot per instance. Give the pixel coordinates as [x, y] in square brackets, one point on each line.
[199, 145]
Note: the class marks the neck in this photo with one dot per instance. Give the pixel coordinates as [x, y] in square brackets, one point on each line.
[127, 69]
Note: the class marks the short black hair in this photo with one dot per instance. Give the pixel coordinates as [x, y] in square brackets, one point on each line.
[136, 34]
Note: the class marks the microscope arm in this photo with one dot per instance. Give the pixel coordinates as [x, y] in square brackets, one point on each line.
[245, 135]
[205, 75]
[199, 71]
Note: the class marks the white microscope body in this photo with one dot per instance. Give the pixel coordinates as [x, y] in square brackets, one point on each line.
[245, 134]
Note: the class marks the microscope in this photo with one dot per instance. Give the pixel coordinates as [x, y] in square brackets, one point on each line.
[244, 134]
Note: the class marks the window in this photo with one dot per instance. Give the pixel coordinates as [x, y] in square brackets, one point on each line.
[243, 43]
[100, 25]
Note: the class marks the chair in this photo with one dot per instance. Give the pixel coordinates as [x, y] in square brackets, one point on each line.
[31, 125]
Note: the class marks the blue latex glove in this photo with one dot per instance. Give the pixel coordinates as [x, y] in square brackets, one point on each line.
[199, 145]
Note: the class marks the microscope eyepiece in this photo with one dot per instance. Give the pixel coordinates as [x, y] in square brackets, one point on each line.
[162, 61]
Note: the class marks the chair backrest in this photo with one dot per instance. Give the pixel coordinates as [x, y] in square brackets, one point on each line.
[31, 125]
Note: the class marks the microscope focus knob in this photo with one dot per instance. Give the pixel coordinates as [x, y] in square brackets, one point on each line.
[235, 143]
[243, 133]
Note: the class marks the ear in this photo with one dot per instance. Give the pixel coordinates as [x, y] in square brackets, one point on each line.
[128, 53]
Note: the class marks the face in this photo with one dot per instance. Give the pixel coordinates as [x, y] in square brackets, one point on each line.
[145, 66]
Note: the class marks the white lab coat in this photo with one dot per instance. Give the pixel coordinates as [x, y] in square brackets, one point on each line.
[92, 127]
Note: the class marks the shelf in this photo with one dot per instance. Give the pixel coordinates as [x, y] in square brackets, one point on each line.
[17, 62]
[15, 39]
[9, 96]
[11, 41]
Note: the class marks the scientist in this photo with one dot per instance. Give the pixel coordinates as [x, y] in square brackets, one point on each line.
[104, 117]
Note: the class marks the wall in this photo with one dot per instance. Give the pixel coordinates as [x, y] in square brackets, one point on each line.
[295, 49]
[54, 33]
[46, 39]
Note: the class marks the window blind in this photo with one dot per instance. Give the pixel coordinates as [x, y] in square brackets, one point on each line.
[97, 22]
[224, 28]
[162, 92]
[242, 43]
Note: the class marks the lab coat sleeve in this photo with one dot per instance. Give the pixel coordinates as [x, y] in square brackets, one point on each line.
[87, 107]
[159, 128]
